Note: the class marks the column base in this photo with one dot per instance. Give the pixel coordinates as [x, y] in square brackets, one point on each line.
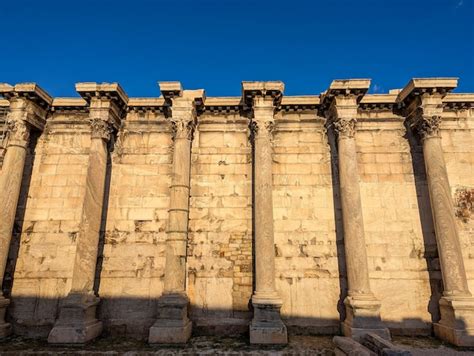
[363, 317]
[266, 326]
[5, 328]
[77, 323]
[172, 325]
[457, 320]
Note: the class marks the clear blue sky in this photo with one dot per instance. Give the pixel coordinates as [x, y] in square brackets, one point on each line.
[216, 44]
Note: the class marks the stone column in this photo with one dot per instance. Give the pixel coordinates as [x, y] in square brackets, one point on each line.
[266, 326]
[24, 114]
[10, 184]
[457, 304]
[362, 307]
[77, 321]
[172, 324]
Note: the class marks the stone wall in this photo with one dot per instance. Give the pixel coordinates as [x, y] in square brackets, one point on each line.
[310, 269]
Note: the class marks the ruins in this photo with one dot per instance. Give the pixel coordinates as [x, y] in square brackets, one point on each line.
[178, 215]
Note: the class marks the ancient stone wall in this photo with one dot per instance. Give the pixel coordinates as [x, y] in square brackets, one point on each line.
[310, 271]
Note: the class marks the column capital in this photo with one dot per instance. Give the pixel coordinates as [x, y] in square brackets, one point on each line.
[340, 104]
[101, 129]
[27, 103]
[422, 103]
[262, 94]
[106, 101]
[263, 98]
[183, 106]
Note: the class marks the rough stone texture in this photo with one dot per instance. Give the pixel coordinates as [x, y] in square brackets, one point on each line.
[310, 262]
[220, 226]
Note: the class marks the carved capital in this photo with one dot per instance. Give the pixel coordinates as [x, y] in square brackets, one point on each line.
[345, 127]
[18, 132]
[259, 128]
[100, 129]
[183, 128]
[427, 125]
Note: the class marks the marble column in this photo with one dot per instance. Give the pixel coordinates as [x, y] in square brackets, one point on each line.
[266, 326]
[173, 325]
[362, 307]
[28, 109]
[456, 304]
[77, 321]
[422, 103]
[10, 184]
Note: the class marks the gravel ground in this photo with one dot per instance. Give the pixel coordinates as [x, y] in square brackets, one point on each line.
[205, 345]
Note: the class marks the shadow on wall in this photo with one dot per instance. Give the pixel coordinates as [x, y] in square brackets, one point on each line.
[336, 197]
[427, 226]
[35, 316]
[132, 317]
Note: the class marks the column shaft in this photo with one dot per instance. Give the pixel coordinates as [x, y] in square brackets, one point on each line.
[449, 248]
[354, 240]
[10, 184]
[175, 266]
[89, 229]
[264, 240]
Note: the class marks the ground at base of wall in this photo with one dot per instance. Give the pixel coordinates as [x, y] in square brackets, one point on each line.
[207, 345]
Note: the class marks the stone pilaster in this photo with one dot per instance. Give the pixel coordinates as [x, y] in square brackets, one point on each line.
[266, 326]
[172, 324]
[77, 321]
[424, 108]
[24, 114]
[362, 307]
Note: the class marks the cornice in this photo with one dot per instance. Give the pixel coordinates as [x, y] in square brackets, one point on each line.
[419, 86]
[111, 91]
[378, 102]
[300, 103]
[69, 105]
[458, 101]
[29, 91]
[224, 104]
[146, 104]
[273, 89]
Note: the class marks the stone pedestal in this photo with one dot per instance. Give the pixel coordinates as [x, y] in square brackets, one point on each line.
[457, 320]
[5, 328]
[173, 325]
[77, 323]
[363, 317]
[266, 326]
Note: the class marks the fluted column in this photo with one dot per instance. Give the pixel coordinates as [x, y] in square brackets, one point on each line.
[77, 321]
[362, 307]
[172, 324]
[266, 326]
[425, 118]
[28, 110]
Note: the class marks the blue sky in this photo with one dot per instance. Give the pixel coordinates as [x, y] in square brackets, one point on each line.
[216, 44]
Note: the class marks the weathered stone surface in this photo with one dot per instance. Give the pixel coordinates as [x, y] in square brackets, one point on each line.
[308, 264]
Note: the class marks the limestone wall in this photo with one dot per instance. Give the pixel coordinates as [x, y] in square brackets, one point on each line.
[310, 270]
